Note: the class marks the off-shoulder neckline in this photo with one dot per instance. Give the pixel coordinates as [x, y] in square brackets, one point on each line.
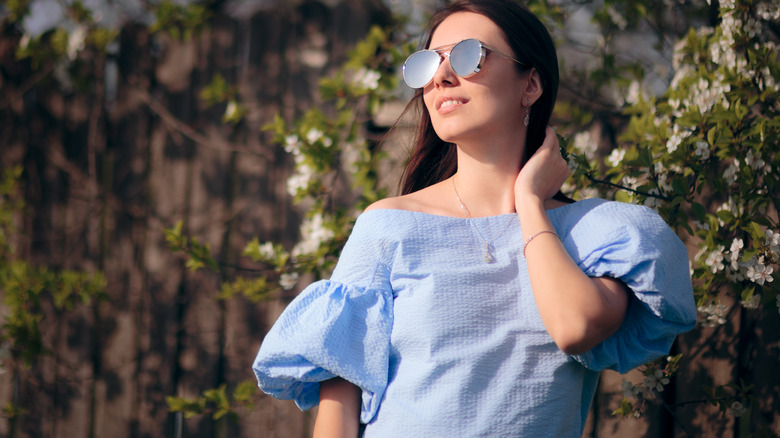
[553, 211]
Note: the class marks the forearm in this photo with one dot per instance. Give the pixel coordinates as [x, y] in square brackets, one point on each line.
[578, 311]
[338, 415]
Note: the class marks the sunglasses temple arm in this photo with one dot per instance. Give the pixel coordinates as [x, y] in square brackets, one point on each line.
[503, 54]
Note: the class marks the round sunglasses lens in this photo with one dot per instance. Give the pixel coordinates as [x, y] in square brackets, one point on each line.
[465, 57]
[420, 67]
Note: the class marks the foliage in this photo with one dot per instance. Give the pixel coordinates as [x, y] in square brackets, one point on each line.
[180, 22]
[703, 153]
[714, 131]
[26, 289]
[216, 401]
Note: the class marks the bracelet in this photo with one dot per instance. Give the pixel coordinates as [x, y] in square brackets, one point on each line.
[538, 234]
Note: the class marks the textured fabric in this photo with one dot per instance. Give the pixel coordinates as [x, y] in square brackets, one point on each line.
[442, 343]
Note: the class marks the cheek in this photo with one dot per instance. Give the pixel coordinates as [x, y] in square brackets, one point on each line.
[428, 101]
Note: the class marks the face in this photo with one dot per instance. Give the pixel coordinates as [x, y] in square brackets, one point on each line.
[485, 104]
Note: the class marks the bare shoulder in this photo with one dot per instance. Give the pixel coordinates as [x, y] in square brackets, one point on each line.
[427, 200]
[394, 203]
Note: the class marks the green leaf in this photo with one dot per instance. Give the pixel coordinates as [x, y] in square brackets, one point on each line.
[755, 232]
[699, 213]
[626, 408]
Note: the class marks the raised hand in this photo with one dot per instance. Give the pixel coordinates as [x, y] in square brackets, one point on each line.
[544, 173]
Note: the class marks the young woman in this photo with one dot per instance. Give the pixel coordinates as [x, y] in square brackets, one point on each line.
[480, 303]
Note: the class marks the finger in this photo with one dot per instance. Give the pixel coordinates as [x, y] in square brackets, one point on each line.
[550, 139]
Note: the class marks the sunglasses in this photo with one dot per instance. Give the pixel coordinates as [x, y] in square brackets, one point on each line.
[466, 59]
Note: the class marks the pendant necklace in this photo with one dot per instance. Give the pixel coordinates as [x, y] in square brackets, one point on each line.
[486, 256]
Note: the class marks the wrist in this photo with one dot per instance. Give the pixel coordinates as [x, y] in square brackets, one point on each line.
[526, 201]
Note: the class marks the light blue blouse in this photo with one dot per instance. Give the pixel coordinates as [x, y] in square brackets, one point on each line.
[443, 344]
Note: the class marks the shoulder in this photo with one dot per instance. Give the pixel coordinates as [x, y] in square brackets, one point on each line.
[429, 200]
[603, 213]
[600, 222]
[394, 203]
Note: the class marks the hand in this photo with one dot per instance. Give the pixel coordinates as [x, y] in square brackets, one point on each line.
[544, 173]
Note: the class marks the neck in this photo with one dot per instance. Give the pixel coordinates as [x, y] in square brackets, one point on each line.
[486, 178]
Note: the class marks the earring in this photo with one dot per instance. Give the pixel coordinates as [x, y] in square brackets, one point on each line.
[527, 118]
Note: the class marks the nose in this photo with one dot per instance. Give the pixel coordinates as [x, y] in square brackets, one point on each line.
[444, 75]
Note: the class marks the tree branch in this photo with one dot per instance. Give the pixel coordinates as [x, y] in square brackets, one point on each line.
[628, 189]
[182, 128]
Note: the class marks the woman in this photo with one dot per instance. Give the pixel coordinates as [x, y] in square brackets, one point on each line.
[479, 303]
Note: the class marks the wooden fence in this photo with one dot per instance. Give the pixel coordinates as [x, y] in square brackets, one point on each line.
[107, 168]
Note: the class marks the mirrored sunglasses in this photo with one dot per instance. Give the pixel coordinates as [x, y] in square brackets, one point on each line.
[466, 59]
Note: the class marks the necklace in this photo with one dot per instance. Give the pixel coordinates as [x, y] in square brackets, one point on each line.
[486, 256]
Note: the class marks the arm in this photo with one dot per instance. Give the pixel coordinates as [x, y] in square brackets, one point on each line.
[339, 412]
[578, 311]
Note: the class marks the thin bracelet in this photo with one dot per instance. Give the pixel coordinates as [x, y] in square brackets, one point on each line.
[538, 234]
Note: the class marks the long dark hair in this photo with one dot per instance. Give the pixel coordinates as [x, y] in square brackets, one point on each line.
[434, 160]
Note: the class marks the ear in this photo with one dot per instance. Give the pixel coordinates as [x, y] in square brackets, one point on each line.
[533, 89]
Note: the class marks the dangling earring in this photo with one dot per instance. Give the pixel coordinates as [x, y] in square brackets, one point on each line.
[527, 118]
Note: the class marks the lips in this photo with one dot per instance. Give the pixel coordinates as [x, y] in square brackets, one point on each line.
[444, 103]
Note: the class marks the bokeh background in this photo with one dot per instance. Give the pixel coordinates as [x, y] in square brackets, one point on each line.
[152, 151]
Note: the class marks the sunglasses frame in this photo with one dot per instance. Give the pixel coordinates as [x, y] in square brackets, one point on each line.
[447, 50]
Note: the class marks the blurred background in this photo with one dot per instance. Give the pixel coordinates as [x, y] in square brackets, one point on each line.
[175, 172]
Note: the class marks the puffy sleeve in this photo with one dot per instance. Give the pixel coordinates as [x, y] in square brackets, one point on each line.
[333, 328]
[633, 243]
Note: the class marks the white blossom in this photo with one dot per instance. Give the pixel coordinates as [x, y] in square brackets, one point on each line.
[736, 246]
[702, 150]
[704, 95]
[313, 135]
[616, 17]
[267, 251]
[752, 302]
[756, 161]
[752, 27]
[713, 314]
[701, 225]
[758, 272]
[231, 110]
[679, 54]
[663, 177]
[292, 145]
[629, 389]
[367, 79]
[313, 234]
[634, 93]
[652, 201]
[737, 409]
[677, 137]
[730, 206]
[730, 174]
[300, 179]
[288, 280]
[616, 157]
[571, 162]
[584, 144]
[656, 380]
[769, 11]
[631, 182]
[24, 41]
[715, 259]
[766, 80]
[680, 74]
[351, 155]
[76, 41]
[772, 240]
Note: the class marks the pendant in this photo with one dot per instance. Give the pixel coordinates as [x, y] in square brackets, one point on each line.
[486, 257]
